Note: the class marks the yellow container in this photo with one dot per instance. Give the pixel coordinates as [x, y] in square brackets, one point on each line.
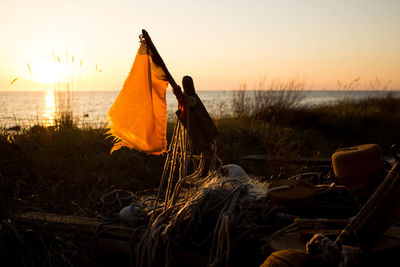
[360, 168]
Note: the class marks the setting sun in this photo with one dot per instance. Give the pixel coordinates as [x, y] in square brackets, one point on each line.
[55, 70]
[48, 72]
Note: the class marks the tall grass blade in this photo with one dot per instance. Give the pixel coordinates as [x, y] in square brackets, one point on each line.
[12, 82]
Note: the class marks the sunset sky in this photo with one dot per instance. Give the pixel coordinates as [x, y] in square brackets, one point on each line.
[221, 44]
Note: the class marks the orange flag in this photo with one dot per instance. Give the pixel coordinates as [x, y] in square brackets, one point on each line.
[138, 117]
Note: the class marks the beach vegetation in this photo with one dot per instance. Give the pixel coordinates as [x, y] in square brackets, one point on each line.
[64, 168]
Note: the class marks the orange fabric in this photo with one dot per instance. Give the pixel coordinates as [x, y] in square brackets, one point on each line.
[138, 117]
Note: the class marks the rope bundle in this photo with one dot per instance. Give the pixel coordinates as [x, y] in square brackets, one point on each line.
[210, 222]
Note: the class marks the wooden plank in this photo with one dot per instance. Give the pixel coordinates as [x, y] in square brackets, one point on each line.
[57, 218]
[265, 158]
[104, 235]
[84, 224]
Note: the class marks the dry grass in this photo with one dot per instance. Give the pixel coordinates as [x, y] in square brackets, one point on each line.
[65, 168]
[264, 97]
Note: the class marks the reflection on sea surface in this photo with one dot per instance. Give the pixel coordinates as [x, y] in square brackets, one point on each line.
[29, 108]
[49, 111]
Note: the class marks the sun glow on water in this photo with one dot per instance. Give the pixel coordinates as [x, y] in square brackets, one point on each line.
[59, 77]
[49, 112]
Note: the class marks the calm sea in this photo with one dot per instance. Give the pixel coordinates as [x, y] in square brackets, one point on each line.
[90, 108]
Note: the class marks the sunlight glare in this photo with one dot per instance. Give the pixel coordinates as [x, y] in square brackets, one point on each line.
[48, 72]
[55, 70]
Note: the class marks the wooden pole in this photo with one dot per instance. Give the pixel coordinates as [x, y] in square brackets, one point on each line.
[203, 130]
[374, 217]
[160, 62]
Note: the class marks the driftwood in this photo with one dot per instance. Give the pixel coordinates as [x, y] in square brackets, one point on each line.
[109, 236]
[117, 237]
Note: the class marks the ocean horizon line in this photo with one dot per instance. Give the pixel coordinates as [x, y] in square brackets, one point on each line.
[213, 90]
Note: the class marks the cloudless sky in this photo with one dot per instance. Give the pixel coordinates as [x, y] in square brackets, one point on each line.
[221, 44]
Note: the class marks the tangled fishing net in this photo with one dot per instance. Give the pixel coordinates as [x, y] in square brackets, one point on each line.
[210, 223]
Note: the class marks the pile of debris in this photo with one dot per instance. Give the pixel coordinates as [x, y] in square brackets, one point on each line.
[234, 220]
